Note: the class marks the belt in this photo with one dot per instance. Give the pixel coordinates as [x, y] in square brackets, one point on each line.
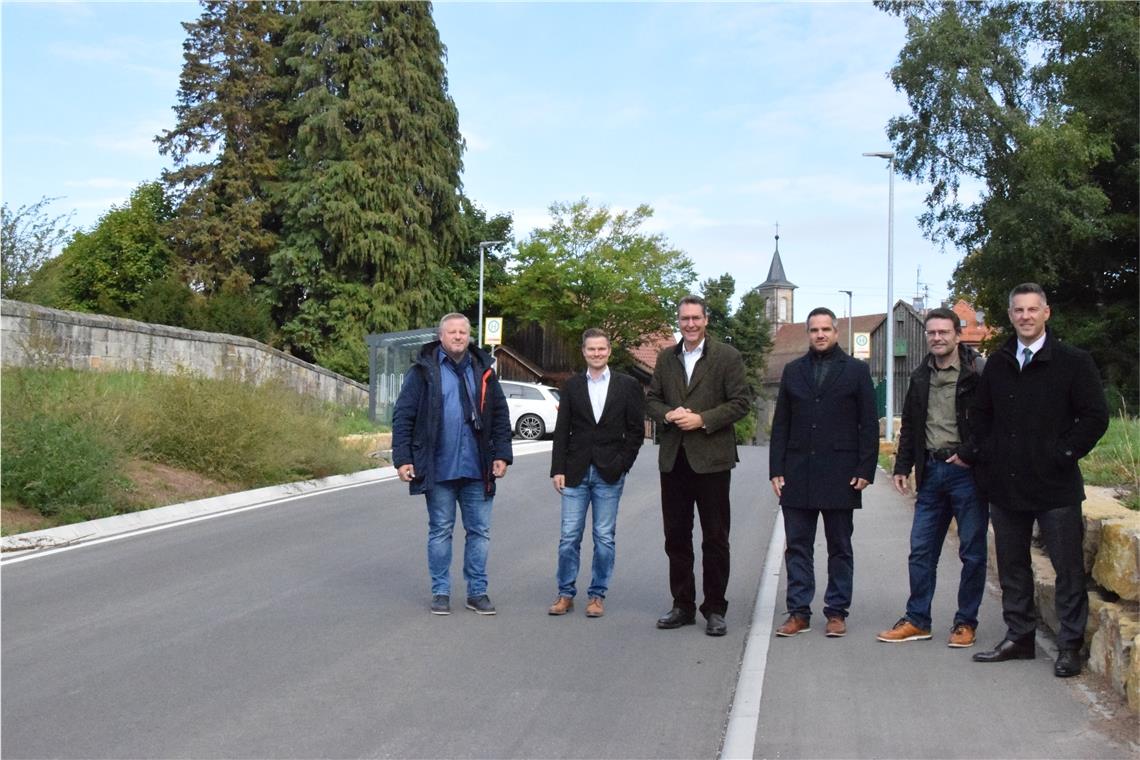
[940, 455]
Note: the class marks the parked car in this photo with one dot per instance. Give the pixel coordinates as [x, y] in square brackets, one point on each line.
[533, 407]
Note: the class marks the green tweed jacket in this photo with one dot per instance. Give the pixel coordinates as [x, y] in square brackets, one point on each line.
[718, 392]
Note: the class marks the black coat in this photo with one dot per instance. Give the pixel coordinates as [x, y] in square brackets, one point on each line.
[1034, 425]
[823, 438]
[911, 449]
[611, 444]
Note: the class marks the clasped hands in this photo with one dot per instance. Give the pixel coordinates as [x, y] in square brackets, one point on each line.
[685, 418]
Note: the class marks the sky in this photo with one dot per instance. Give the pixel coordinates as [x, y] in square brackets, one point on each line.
[726, 118]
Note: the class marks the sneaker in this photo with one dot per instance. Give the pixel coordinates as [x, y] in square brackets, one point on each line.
[904, 630]
[793, 625]
[441, 604]
[595, 608]
[836, 626]
[962, 636]
[481, 605]
[561, 606]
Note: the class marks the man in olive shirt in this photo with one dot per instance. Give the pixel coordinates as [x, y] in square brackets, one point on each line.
[936, 440]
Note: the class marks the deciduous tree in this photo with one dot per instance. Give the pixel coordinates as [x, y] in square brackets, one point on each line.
[1040, 104]
[595, 268]
[28, 239]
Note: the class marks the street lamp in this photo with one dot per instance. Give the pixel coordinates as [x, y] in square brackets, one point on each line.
[850, 325]
[890, 352]
[483, 247]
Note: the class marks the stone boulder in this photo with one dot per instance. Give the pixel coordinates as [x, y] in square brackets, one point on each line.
[1117, 564]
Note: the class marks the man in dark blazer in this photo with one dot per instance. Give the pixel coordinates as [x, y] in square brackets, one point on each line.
[600, 427]
[699, 389]
[825, 440]
[1040, 408]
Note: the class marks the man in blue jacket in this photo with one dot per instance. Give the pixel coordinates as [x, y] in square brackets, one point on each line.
[825, 441]
[451, 438]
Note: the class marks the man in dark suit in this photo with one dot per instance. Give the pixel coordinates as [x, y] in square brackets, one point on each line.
[699, 389]
[601, 423]
[825, 437]
[1040, 408]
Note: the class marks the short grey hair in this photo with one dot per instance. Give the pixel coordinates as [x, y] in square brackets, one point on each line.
[1028, 287]
[452, 316]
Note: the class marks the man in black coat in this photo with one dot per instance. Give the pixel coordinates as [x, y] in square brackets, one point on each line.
[825, 436]
[1040, 409]
[600, 427]
[937, 440]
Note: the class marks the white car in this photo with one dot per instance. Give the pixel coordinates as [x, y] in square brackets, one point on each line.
[533, 407]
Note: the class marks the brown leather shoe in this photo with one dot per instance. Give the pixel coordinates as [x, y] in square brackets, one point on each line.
[836, 626]
[961, 637]
[904, 630]
[562, 606]
[793, 625]
[595, 608]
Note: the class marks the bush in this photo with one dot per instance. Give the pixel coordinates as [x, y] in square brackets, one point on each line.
[67, 435]
[58, 458]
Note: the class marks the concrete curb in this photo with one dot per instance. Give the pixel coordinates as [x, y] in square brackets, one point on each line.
[23, 544]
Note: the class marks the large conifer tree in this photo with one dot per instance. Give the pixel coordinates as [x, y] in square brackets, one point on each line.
[318, 154]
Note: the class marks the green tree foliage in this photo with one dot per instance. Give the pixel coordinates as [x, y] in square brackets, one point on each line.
[477, 228]
[593, 268]
[28, 239]
[1040, 104]
[107, 269]
[232, 130]
[317, 157]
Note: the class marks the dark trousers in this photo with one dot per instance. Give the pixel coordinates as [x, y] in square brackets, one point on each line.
[799, 558]
[680, 490]
[1062, 531]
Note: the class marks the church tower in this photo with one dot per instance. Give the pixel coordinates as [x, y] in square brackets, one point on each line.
[779, 293]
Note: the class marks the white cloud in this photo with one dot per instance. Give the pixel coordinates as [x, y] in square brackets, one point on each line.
[138, 140]
[89, 53]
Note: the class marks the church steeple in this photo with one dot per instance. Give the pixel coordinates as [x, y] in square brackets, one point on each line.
[778, 291]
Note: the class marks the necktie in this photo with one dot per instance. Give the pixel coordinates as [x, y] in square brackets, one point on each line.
[1028, 354]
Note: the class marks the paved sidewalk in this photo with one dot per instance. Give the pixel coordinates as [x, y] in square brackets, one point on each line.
[859, 697]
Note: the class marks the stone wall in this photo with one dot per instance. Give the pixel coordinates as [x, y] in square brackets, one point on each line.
[37, 336]
[1112, 562]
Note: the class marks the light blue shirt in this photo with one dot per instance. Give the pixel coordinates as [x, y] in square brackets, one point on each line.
[598, 388]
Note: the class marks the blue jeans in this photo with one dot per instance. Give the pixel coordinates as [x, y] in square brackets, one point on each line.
[947, 491]
[575, 501]
[475, 509]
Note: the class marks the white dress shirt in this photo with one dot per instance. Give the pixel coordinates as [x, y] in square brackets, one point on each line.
[690, 358]
[598, 387]
[1035, 346]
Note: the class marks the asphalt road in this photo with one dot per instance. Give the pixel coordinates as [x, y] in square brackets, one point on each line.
[302, 630]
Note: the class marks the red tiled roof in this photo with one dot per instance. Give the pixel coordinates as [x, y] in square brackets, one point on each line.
[972, 332]
[646, 354]
[791, 341]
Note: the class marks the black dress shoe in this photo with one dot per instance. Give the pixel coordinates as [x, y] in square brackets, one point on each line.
[1068, 664]
[676, 618]
[1009, 650]
[716, 625]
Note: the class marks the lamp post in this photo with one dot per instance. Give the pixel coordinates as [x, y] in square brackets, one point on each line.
[850, 325]
[890, 352]
[483, 246]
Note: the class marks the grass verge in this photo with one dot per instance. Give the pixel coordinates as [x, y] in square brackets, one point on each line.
[81, 445]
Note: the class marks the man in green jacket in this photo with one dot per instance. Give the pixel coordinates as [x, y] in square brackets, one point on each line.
[699, 390]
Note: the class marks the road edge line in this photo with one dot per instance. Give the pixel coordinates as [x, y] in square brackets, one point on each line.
[744, 717]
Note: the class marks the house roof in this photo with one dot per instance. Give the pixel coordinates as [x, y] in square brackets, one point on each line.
[790, 342]
[973, 332]
[645, 355]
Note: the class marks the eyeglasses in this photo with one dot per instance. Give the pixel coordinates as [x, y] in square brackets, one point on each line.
[939, 333]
